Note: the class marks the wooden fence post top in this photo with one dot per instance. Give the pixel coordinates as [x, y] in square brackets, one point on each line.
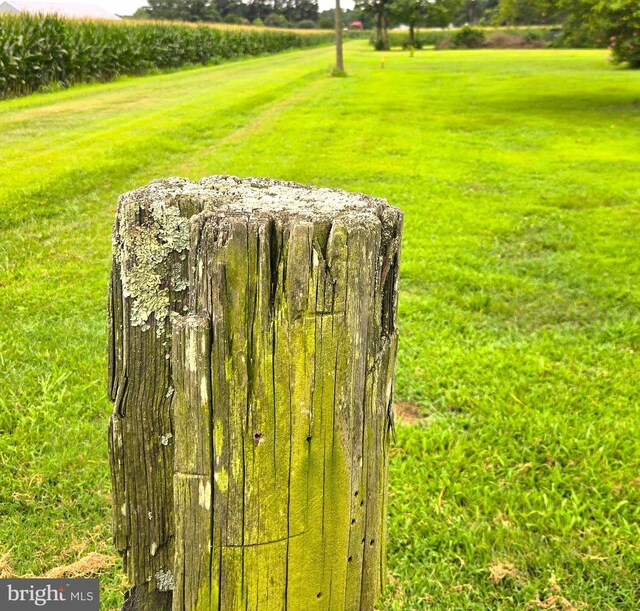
[255, 196]
[155, 221]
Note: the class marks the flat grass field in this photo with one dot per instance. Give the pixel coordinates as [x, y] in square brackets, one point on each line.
[517, 483]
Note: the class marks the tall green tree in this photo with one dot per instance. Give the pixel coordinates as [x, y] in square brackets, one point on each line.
[410, 12]
[475, 11]
[297, 10]
[379, 10]
[601, 17]
[257, 9]
[200, 10]
[183, 10]
[586, 22]
[163, 9]
[528, 12]
[229, 8]
[443, 12]
[308, 9]
[600, 22]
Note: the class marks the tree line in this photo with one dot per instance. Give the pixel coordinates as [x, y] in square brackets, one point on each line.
[371, 13]
[275, 13]
[584, 22]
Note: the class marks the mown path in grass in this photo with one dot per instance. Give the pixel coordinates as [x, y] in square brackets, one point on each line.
[517, 171]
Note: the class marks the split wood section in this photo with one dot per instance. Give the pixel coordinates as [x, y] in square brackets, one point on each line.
[252, 348]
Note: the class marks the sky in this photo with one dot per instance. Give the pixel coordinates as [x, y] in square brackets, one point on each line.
[128, 7]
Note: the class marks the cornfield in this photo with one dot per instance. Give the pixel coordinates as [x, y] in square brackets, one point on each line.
[40, 51]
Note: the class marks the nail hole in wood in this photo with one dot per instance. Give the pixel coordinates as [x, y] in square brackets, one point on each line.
[258, 438]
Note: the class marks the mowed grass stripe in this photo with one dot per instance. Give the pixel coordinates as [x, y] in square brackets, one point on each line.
[131, 96]
[174, 117]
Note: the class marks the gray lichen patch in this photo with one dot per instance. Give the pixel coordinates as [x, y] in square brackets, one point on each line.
[164, 581]
[149, 228]
[166, 439]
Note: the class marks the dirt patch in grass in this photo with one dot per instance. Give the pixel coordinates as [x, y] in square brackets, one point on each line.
[407, 413]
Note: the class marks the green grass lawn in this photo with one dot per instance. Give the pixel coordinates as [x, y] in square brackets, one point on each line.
[519, 487]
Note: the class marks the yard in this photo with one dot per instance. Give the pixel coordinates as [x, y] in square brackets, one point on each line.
[515, 478]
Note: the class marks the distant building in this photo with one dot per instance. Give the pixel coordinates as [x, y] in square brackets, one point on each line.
[63, 9]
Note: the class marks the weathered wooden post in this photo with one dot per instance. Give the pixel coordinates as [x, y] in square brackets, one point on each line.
[252, 346]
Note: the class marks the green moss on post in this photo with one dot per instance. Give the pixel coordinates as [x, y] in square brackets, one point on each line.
[276, 314]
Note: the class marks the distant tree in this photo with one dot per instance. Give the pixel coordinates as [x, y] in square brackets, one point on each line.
[527, 12]
[601, 22]
[200, 10]
[298, 10]
[257, 9]
[307, 10]
[141, 13]
[379, 11]
[410, 12]
[585, 22]
[183, 10]
[474, 11]
[429, 13]
[277, 6]
[326, 22]
[274, 20]
[163, 9]
[288, 10]
[441, 13]
[233, 19]
[230, 8]
[275, 13]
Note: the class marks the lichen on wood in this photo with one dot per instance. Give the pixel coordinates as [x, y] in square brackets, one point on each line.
[270, 307]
